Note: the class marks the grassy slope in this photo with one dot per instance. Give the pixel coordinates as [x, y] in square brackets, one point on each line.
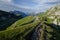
[51, 31]
[6, 19]
[22, 22]
[18, 33]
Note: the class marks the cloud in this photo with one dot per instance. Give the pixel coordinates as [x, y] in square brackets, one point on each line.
[36, 5]
[51, 3]
[45, 4]
[6, 0]
[10, 2]
[54, 2]
[10, 7]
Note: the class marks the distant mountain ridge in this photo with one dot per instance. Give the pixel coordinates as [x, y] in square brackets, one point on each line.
[8, 18]
[19, 13]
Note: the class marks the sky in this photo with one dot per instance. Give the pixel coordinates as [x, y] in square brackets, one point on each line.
[28, 5]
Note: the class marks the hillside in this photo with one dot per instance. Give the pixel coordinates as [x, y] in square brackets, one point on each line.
[20, 29]
[54, 13]
[44, 26]
[7, 18]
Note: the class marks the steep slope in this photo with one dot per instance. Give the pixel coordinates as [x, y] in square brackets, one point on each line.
[48, 30]
[52, 29]
[54, 13]
[23, 21]
[41, 27]
[7, 18]
[21, 30]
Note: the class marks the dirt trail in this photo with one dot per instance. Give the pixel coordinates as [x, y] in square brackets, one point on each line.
[37, 33]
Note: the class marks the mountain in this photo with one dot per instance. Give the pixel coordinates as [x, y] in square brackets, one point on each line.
[54, 13]
[40, 27]
[19, 13]
[7, 18]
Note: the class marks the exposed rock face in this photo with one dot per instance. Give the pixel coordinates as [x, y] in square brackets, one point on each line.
[57, 13]
[54, 13]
